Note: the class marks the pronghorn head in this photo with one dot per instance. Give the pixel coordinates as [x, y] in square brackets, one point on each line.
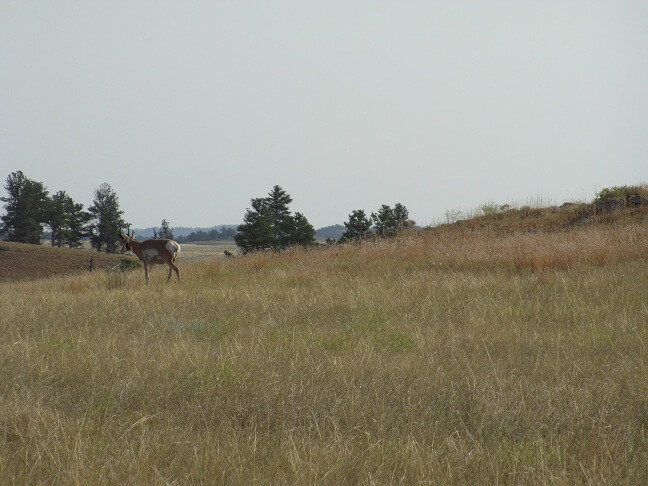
[126, 241]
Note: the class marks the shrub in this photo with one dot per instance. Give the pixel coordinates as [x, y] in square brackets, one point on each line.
[489, 208]
[621, 191]
[128, 264]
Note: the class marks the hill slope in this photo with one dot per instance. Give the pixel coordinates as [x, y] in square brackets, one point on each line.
[19, 261]
[564, 218]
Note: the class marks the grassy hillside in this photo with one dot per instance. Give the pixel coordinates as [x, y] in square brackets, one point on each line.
[550, 219]
[462, 355]
[24, 262]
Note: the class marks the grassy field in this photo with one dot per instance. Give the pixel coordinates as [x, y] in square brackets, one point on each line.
[207, 250]
[455, 356]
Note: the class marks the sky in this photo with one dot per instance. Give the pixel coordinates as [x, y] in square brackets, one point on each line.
[190, 109]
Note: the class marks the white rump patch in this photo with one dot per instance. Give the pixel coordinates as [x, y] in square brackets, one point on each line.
[172, 247]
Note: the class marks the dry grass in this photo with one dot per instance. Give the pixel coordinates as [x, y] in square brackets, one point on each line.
[442, 358]
[537, 218]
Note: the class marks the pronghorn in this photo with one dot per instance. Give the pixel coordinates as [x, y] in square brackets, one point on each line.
[152, 251]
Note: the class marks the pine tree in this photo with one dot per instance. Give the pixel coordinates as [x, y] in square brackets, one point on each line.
[77, 224]
[67, 221]
[279, 216]
[269, 225]
[256, 233]
[384, 221]
[165, 231]
[401, 216]
[298, 232]
[357, 228]
[26, 207]
[56, 218]
[107, 219]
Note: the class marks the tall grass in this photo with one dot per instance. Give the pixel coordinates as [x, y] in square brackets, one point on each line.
[441, 358]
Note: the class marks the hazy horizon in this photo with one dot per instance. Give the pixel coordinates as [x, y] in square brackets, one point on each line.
[189, 110]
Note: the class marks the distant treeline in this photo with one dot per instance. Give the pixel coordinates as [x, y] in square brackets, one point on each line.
[29, 208]
[222, 233]
[267, 225]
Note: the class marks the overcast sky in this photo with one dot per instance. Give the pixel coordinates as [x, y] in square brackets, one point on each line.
[190, 109]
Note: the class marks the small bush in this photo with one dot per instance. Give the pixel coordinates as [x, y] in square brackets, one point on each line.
[453, 215]
[128, 264]
[621, 191]
[489, 208]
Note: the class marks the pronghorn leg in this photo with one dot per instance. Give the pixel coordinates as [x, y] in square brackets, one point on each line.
[146, 271]
[173, 268]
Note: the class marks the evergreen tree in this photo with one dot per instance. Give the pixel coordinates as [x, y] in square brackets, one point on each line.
[256, 233]
[77, 224]
[67, 220]
[56, 218]
[107, 219]
[279, 216]
[298, 232]
[401, 216]
[269, 225]
[165, 231]
[384, 221]
[26, 208]
[357, 228]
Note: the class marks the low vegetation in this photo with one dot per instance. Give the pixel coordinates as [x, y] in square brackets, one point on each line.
[569, 216]
[466, 354]
[625, 192]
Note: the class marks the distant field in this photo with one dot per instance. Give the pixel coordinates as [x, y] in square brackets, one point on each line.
[462, 355]
[206, 250]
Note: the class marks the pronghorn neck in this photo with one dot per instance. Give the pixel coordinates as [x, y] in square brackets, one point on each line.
[136, 247]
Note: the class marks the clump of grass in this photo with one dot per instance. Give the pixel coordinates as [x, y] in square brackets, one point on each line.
[115, 279]
[116, 276]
